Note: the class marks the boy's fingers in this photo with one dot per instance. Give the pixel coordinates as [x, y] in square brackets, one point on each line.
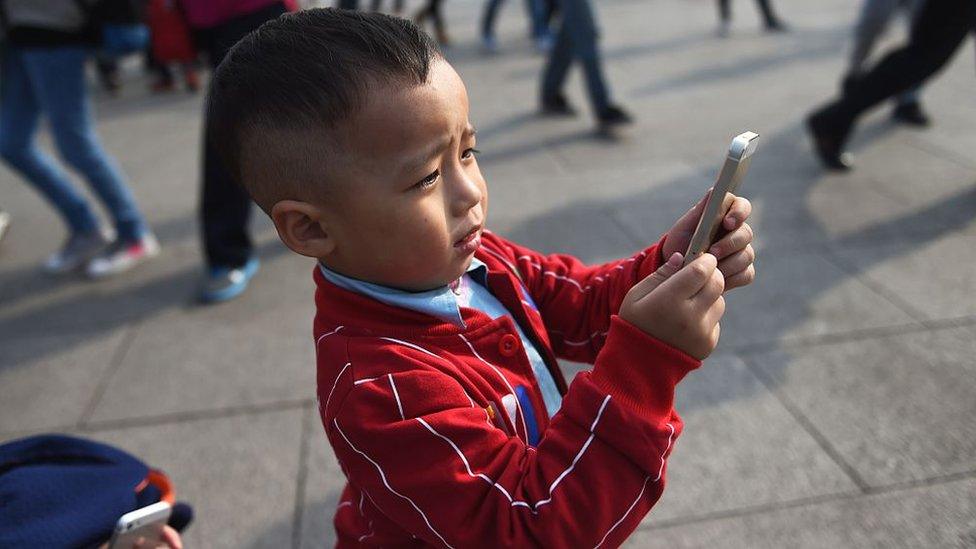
[739, 211]
[655, 279]
[711, 290]
[692, 278]
[743, 278]
[732, 242]
[737, 262]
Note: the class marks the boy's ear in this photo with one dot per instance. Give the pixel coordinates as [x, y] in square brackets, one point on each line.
[301, 227]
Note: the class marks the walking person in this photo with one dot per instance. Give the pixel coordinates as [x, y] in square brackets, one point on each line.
[538, 17]
[43, 67]
[772, 23]
[433, 9]
[577, 39]
[874, 19]
[939, 29]
[225, 208]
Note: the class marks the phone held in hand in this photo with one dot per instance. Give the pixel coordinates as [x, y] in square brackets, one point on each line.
[720, 200]
[142, 524]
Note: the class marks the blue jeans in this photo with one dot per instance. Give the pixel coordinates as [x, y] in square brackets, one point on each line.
[576, 39]
[52, 81]
[537, 14]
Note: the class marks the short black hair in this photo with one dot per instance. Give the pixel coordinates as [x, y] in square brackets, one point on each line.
[279, 91]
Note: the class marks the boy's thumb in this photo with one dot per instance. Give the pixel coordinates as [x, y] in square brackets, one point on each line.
[655, 279]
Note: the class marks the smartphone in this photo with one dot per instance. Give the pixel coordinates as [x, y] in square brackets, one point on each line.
[720, 200]
[145, 523]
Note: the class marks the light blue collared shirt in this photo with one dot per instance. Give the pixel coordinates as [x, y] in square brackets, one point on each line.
[445, 304]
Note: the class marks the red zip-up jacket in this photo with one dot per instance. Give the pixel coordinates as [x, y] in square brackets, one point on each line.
[427, 424]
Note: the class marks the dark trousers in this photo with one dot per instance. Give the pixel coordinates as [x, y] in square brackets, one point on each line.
[725, 11]
[936, 35]
[576, 39]
[225, 207]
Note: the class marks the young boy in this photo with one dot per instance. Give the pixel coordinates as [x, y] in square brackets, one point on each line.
[437, 340]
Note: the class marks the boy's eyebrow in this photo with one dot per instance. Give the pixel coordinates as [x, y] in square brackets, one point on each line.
[415, 163]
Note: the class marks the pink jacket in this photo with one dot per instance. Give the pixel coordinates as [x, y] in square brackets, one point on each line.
[205, 14]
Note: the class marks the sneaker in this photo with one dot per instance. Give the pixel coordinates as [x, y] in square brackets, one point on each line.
[614, 116]
[122, 256]
[777, 26]
[224, 284]
[557, 105]
[4, 223]
[77, 251]
[911, 114]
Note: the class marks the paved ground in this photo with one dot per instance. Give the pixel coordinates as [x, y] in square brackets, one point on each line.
[838, 411]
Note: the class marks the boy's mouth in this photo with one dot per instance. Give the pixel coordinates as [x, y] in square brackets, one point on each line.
[470, 241]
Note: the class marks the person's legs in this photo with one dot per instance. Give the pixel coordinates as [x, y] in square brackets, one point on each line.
[440, 26]
[578, 18]
[488, 18]
[769, 17]
[19, 114]
[724, 11]
[872, 22]
[557, 67]
[941, 27]
[58, 75]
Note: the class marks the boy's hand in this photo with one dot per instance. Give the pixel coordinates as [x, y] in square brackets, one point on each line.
[734, 251]
[678, 306]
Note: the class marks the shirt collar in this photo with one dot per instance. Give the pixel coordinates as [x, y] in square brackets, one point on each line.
[440, 303]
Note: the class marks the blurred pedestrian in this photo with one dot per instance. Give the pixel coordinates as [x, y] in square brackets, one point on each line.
[539, 25]
[577, 39]
[225, 208]
[433, 10]
[872, 23]
[772, 23]
[939, 29]
[43, 69]
[171, 43]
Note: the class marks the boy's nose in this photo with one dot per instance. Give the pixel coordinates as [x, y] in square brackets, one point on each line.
[469, 194]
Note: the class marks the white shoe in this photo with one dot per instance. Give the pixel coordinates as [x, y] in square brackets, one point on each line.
[77, 251]
[122, 256]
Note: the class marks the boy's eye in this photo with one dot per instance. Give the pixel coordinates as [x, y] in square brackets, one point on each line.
[469, 153]
[428, 181]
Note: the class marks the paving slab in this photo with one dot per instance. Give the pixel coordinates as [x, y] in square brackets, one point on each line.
[49, 381]
[239, 473]
[194, 359]
[896, 408]
[323, 488]
[943, 515]
[919, 274]
[803, 296]
[740, 448]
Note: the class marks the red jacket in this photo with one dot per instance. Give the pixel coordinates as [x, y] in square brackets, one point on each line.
[416, 410]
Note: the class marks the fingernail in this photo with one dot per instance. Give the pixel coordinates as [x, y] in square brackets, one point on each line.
[676, 259]
[729, 222]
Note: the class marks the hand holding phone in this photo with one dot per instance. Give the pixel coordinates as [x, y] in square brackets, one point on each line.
[734, 169]
[142, 527]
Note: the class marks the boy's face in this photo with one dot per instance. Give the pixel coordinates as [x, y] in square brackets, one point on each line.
[411, 201]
